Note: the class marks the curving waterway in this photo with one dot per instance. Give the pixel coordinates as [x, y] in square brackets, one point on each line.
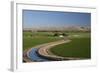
[41, 55]
[33, 55]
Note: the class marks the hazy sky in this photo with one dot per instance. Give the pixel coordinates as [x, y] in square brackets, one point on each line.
[34, 18]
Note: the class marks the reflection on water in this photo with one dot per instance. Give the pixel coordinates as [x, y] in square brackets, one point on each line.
[33, 55]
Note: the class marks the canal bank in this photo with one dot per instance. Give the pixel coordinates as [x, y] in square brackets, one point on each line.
[42, 53]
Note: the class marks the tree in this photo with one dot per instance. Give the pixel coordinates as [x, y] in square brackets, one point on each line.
[56, 34]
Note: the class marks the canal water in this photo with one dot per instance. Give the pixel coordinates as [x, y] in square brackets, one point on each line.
[33, 55]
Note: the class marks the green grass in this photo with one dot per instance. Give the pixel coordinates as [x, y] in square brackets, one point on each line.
[78, 47]
[79, 34]
[37, 39]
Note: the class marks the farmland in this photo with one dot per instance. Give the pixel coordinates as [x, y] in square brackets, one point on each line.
[78, 48]
[31, 40]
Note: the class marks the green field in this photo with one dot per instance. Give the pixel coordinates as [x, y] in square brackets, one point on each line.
[31, 40]
[78, 47]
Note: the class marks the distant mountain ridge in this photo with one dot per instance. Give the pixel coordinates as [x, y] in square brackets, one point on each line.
[67, 28]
